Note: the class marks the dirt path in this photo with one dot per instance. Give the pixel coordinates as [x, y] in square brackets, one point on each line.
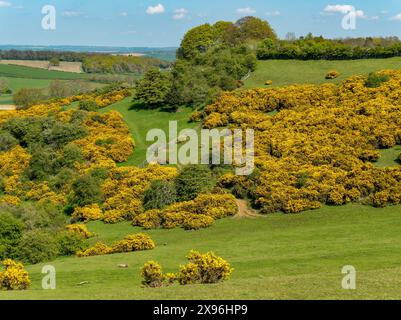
[244, 211]
[7, 107]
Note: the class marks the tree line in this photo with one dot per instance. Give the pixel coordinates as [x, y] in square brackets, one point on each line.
[319, 48]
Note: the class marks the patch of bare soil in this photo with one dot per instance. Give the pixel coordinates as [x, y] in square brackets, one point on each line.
[7, 107]
[75, 67]
[244, 211]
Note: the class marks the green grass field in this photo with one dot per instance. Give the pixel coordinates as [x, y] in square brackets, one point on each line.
[285, 72]
[140, 121]
[19, 77]
[36, 73]
[18, 83]
[275, 257]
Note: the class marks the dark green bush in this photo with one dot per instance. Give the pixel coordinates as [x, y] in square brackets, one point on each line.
[375, 80]
[88, 105]
[160, 195]
[7, 141]
[193, 180]
[37, 246]
[11, 230]
[85, 190]
[70, 243]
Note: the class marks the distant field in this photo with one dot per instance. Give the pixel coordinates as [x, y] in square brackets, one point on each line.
[37, 73]
[276, 257]
[75, 67]
[285, 72]
[25, 77]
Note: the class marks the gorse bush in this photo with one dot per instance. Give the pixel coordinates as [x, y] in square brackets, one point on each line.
[87, 213]
[130, 243]
[192, 215]
[204, 268]
[79, 229]
[136, 242]
[98, 249]
[320, 147]
[14, 276]
[332, 74]
[201, 269]
[152, 275]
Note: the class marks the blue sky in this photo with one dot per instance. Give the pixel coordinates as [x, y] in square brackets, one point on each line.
[163, 22]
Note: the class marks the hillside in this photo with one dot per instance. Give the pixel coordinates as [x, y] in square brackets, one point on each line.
[286, 72]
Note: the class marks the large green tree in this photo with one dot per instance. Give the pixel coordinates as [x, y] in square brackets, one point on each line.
[153, 88]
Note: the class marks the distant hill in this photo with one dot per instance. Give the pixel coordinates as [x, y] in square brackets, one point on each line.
[167, 53]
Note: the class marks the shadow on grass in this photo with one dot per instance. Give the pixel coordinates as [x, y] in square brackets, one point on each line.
[139, 106]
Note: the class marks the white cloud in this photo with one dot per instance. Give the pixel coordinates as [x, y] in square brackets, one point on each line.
[273, 13]
[71, 14]
[341, 8]
[123, 14]
[361, 14]
[347, 8]
[384, 12]
[5, 4]
[158, 9]
[180, 14]
[396, 17]
[247, 10]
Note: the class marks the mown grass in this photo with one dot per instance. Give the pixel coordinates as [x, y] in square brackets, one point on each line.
[275, 257]
[140, 121]
[286, 72]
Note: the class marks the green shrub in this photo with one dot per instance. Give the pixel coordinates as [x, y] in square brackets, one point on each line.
[39, 216]
[24, 98]
[37, 246]
[7, 141]
[160, 195]
[85, 190]
[375, 80]
[88, 105]
[11, 230]
[70, 243]
[193, 180]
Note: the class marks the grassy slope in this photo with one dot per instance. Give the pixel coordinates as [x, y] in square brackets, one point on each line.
[284, 72]
[280, 256]
[141, 121]
[18, 83]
